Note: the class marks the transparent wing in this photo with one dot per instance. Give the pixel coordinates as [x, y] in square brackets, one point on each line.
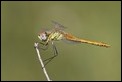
[58, 25]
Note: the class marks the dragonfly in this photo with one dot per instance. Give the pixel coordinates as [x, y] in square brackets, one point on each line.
[57, 33]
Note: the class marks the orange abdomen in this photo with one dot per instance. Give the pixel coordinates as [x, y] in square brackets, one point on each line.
[75, 39]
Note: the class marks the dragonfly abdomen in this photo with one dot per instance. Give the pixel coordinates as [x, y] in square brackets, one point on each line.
[75, 39]
[95, 43]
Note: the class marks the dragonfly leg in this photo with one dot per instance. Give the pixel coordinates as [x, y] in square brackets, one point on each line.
[45, 47]
[55, 54]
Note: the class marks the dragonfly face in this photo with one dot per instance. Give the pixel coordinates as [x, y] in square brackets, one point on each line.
[43, 36]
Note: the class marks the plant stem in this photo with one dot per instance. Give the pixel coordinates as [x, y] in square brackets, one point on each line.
[41, 62]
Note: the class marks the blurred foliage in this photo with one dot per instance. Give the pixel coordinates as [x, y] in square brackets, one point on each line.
[22, 21]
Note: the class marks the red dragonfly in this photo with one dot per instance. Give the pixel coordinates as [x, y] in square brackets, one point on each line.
[58, 33]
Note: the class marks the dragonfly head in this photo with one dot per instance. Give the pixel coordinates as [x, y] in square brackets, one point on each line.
[42, 36]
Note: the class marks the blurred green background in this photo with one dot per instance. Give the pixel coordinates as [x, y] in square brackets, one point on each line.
[99, 21]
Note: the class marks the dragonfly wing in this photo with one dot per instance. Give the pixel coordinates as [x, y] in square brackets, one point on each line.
[57, 25]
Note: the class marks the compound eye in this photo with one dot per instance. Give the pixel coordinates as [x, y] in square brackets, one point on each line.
[43, 36]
